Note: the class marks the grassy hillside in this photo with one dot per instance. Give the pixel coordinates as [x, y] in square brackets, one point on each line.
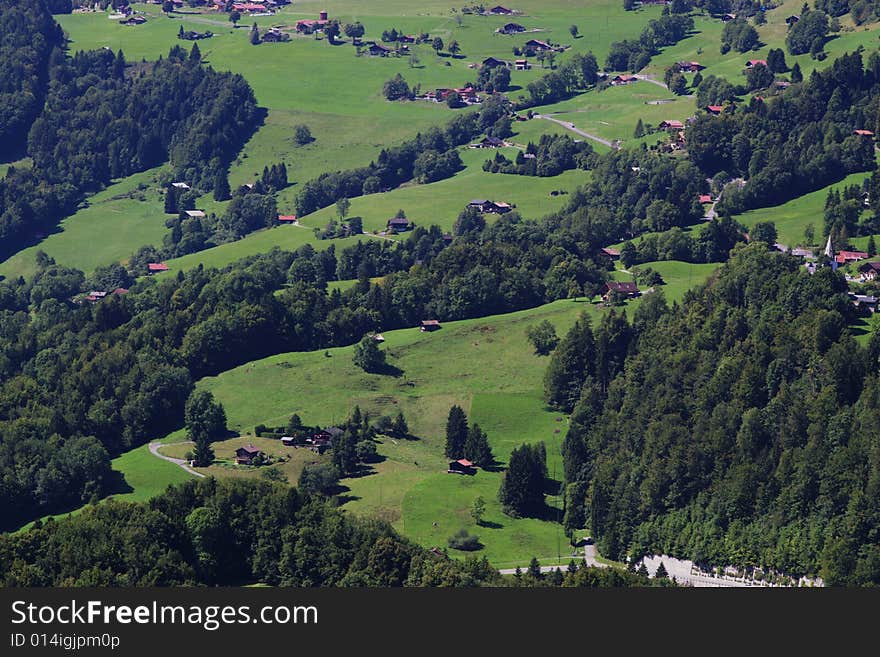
[485, 365]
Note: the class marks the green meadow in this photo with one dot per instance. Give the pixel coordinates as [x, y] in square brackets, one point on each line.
[485, 365]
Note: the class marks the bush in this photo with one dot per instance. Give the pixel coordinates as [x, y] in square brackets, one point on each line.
[464, 541]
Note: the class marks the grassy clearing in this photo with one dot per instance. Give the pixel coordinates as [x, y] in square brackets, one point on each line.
[791, 218]
[290, 461]
[113, 224]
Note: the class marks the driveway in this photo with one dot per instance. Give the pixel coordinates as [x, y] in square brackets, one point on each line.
[154, 450]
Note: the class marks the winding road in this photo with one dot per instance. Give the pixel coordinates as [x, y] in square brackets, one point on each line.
[154, 450]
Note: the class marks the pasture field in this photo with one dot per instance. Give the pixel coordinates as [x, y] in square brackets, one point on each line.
[484, 365]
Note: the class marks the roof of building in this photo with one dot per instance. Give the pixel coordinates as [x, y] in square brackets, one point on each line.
[705, 198]
[430, 322]
[865, 133]
[627, 287]
[715, 108]
[157, 266]
[250, 449]
[286, 217]
[464, 463]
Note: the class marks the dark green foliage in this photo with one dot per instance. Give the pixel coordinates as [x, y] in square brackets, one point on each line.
[318, 479]
[397, 89]
[470, 220]
[221, 187]
[476, 447]
[400, 428]
[776, 60]
[639, 131]
[796, 75]
[170, 110]
[738, 35]
[368, 356]
[715, 91]
[522, 488]
[543, 337]
[759, 77]
[572, 362]
[28, 35]
[552, 155]
[249, 212]
[464, 541]
[764, 231]
[745, 417]
[302, 135]
[456, 432]
[810, 29]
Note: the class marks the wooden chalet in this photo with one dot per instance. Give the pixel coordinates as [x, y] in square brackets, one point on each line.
[715, 110]
[498, 10]
[671, 125]
[378, 50]
[689, 67]
[754, 62]
[511, 28]
[489, 142]
[429, 325]
[864, 302]
[627, 289]
[623, 79]
[791, 20]
[609, 253]
[399, 223]
[869, 270]
[246, 455]
[494, 62]
[536, 44]
[462, 466]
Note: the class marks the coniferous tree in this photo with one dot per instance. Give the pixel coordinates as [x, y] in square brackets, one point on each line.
[872, 246]
[456, 432]
[221, 187]
[522, 488]
[796, 75]
[400, 427]
[569, 366]
[476, 447]
[639, 132]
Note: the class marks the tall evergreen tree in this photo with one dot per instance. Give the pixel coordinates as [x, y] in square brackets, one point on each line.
[522, 488]
[221, 187]
[456, 432]
[570, 364]
[476, 447]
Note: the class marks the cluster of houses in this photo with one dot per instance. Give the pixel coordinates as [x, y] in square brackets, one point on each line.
[468, 95]
[320, 441]
[486, 206]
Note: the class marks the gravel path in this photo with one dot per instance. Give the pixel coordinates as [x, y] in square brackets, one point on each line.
[154, 450]
[568, 125]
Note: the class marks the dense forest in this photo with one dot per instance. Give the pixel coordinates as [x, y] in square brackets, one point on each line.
[134, 116]
[795, 143]
[741, 427]
[28, 37]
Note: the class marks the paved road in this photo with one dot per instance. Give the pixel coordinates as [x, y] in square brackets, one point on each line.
[154, 450]
[568, 125]
[642, 76]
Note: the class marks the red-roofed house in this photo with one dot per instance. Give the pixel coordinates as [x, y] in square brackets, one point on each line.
[755, 62]
[844, 257]
[671, 125]
[714, 109]
[611, 254]
[863, 133]
[289, 218]
[690, 67]
[705, 198]
[119, 291]
[429, 325]
[461, 466]
[623, 79]
[154, 267]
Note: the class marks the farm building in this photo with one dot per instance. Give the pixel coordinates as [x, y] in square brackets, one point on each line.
[845, 257]
[511, 28]
[870, 270]
[689, 67]
[155, 267]
[755, 62]
[246, 455]
[705, 198]
[489, 142]
[498, 10]
[378, 50]
[399, 223]
[287, 218]
[493, 62]
[429, 325]
[671, 125]
[522, 65]
[611, 254]
[486, 206]
[627, 289]
[310, 25]
[535, 44]
[623, 79]
[195, 214]
[461, 466]
[714, 109]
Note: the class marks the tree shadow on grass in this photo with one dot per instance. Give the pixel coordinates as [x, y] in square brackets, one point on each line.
[387, 369]
[117, 485]
[488, 524]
